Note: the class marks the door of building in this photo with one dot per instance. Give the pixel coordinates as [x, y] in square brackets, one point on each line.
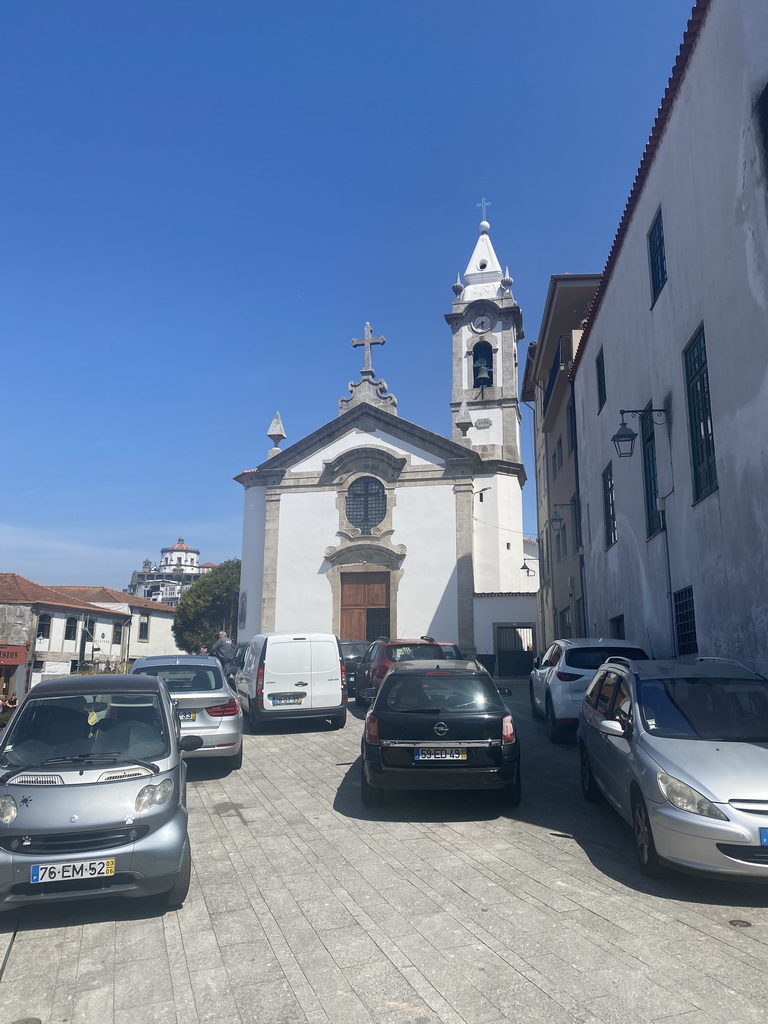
[364, 605]
[514, 649]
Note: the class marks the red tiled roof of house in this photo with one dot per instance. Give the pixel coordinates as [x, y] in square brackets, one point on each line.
[15, 589]
[207, 565]
[106, 595]
[692, 33]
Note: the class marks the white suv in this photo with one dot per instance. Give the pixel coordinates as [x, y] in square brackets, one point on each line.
[560, 677]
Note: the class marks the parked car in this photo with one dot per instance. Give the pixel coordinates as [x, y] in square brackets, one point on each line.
[352, 651]
[293, 675]
[560, 677]
[384, 653]
[205, 702]
[439, 725]
[235, 663]
[680, 750]
[93, 793]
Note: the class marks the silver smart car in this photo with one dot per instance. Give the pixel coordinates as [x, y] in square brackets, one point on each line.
[206, 703]
[680, 750]
[93, 793]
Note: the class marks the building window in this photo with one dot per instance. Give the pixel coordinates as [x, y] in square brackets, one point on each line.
[44, 627]
[650, 481]
[609, 506]
[565, 623]
[482, 365]
[117, 633]
[616, 628]
[685, 622]
[88, 627]
[37, 666]
[366, 503]
[554, 465]
[559, 450]
[700, 418]
[70, 630]
[600, 371]
[657, 257]
[570, 423]
[143, 627]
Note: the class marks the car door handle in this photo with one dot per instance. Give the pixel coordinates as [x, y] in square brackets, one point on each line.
[299, 684]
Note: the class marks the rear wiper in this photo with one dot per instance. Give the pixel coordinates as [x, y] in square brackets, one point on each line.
[81, 759]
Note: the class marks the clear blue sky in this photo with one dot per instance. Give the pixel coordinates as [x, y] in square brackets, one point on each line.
[202, 201]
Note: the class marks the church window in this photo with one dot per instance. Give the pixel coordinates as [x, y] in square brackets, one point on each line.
[70, 630]
[366, 503]
[482, 365]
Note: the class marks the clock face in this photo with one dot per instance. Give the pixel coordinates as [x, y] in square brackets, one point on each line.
[481, 323]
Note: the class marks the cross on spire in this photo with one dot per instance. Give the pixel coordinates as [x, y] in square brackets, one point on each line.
[366, 342]
[484, 203]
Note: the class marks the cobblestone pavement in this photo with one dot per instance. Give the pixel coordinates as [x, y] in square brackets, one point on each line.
[307, 909]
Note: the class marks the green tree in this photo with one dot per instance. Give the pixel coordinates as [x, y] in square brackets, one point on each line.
[208, 606]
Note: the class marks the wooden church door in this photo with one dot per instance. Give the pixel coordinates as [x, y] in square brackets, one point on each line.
[364, 605]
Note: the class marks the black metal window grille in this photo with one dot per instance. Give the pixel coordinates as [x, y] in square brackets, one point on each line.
[700, 418]
[609, 506]
[657, 256]
[650, 478]
[685, 622]
[366, 503]
[600, 371]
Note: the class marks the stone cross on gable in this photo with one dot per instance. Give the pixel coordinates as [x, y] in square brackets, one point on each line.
[366, 342]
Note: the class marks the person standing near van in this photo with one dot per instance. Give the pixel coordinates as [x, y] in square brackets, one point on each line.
[222, 649]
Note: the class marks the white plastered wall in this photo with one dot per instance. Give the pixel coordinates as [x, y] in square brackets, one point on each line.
[304, 598]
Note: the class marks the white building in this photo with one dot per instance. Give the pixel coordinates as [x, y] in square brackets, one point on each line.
[178, 569]
[373, 525]
[675, 536]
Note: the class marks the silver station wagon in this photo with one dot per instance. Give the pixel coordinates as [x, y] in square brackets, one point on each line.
[680, 750]
[93, 793]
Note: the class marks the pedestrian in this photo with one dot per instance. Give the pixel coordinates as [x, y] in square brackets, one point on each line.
[222, 649]
[11, 704]
[203, 649]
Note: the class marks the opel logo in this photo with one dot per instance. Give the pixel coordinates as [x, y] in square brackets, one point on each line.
[441, 728]
[73, 819]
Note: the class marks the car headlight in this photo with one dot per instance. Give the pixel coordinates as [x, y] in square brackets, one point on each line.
[681, 795]
[151, 795]
[7, 808]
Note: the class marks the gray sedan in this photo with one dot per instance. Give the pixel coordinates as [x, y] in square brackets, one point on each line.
[680, 750]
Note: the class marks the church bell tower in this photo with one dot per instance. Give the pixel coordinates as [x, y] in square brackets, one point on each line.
[487, 324]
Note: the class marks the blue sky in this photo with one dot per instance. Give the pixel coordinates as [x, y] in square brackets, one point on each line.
[202, 202]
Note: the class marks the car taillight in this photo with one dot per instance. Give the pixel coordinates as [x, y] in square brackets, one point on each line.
[224, 710]
[260, 688]
[371, 729]
[568, 677]
[343, 682]
[508, 730]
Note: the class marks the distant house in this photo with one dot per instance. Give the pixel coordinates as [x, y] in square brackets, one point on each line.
[178, 569]
[47, 632]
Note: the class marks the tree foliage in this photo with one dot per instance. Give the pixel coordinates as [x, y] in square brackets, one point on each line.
[208, 606]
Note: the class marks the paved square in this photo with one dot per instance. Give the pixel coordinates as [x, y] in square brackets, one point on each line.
[306, 908]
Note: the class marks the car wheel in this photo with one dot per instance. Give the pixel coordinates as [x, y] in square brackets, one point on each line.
[645, 848]
[178, 891]
[588, 785]
[556, 731]
[236, 761]
[370, 796]
[535, 709]
[510, 796]
[339, 721]
[253, 722]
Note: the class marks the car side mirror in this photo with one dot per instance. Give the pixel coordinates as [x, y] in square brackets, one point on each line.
[188, 743]
[609, 727]
[369, 694]
[537, 662]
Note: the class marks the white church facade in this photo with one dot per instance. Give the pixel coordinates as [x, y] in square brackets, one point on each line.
[374, 526]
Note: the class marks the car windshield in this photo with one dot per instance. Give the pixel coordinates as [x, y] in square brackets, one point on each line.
[451, 651]
[591, 658]
[121, 726]
[184, 678]
[442, 693]
[706, 709]
[414, 652]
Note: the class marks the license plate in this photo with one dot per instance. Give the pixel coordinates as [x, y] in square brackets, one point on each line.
[440, 754]
[73, 869]
[187, 716]
[764, 836]
[287, 700]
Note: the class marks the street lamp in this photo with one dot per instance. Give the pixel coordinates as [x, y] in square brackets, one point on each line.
[527, 569]
[556, 521]
[625, 437]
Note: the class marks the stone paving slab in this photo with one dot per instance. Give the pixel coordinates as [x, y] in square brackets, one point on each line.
[306, 908]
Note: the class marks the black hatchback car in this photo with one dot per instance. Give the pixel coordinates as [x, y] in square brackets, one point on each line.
[439, 725]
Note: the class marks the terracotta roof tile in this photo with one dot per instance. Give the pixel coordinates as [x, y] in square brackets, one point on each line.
[106, 595]
[15, 589]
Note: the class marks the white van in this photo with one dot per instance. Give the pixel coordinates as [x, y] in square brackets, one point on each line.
[292, 675]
